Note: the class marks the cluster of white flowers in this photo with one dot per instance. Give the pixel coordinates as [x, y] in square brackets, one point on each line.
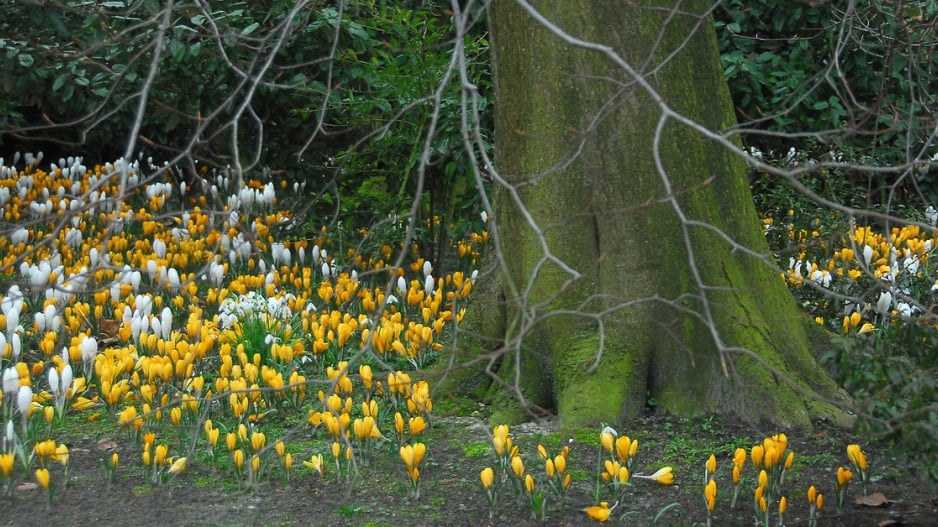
[820, 276]
[252, 304]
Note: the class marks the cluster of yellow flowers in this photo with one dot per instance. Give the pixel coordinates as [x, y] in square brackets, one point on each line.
[898, 260]
[772, 459]
[510, 472]
[137, 301]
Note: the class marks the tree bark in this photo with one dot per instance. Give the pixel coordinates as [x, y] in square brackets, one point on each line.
[612, 300]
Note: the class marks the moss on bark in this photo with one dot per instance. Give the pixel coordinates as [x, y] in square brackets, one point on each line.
[598, 259]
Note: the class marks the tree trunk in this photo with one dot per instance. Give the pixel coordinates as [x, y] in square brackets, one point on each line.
[612, 300]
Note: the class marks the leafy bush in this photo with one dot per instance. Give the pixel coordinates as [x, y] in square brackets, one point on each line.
[858, 74]
[871, 285]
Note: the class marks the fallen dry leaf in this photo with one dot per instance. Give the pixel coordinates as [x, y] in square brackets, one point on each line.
[876, 499]
[106, 445]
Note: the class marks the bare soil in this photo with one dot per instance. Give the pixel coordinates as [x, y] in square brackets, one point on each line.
[451, 494]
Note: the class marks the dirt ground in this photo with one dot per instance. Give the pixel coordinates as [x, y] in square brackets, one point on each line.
[451, 494]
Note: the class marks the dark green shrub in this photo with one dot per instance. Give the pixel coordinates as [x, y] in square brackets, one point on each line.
[856, 74]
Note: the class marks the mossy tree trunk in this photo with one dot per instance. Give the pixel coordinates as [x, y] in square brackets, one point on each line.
[610, 297]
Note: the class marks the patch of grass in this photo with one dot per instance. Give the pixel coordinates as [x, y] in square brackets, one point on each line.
[347, 509]
[587, 436]
[475, 449]
[683, 451]
[141, 490]
[823, 459]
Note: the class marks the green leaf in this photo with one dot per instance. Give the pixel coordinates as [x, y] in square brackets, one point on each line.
[59, 81]
[250, 29]
[25, 60]
[178, 50]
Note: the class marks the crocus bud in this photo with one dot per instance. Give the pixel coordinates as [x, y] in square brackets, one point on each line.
[24, 399]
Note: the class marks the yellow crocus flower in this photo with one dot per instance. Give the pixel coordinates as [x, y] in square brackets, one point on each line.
[843, 477]
[599, 512]
[42, 477]
[529, 483]
[315, 462]
[663, 476]
[178, 466]
[416, 425]
[624, 448]
[857, 457]
[710, 494]
[560, 463]
[541, 451]
[407, 456]
[159, 455]
[6, 464]
[258, 440]
[61, 454]
[399, 423]
[517, 466]
[488, 478]
[711, 465]
[607, 440]
[757, 454]
[420, 450]
[238, 457]
[213, 436]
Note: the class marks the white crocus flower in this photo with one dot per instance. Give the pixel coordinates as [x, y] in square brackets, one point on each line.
[166, 322]
[24, 399]
[931, 214]
[11, 381]
[89, 349]
[16, 344]
[905, 309]
[884, 303]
